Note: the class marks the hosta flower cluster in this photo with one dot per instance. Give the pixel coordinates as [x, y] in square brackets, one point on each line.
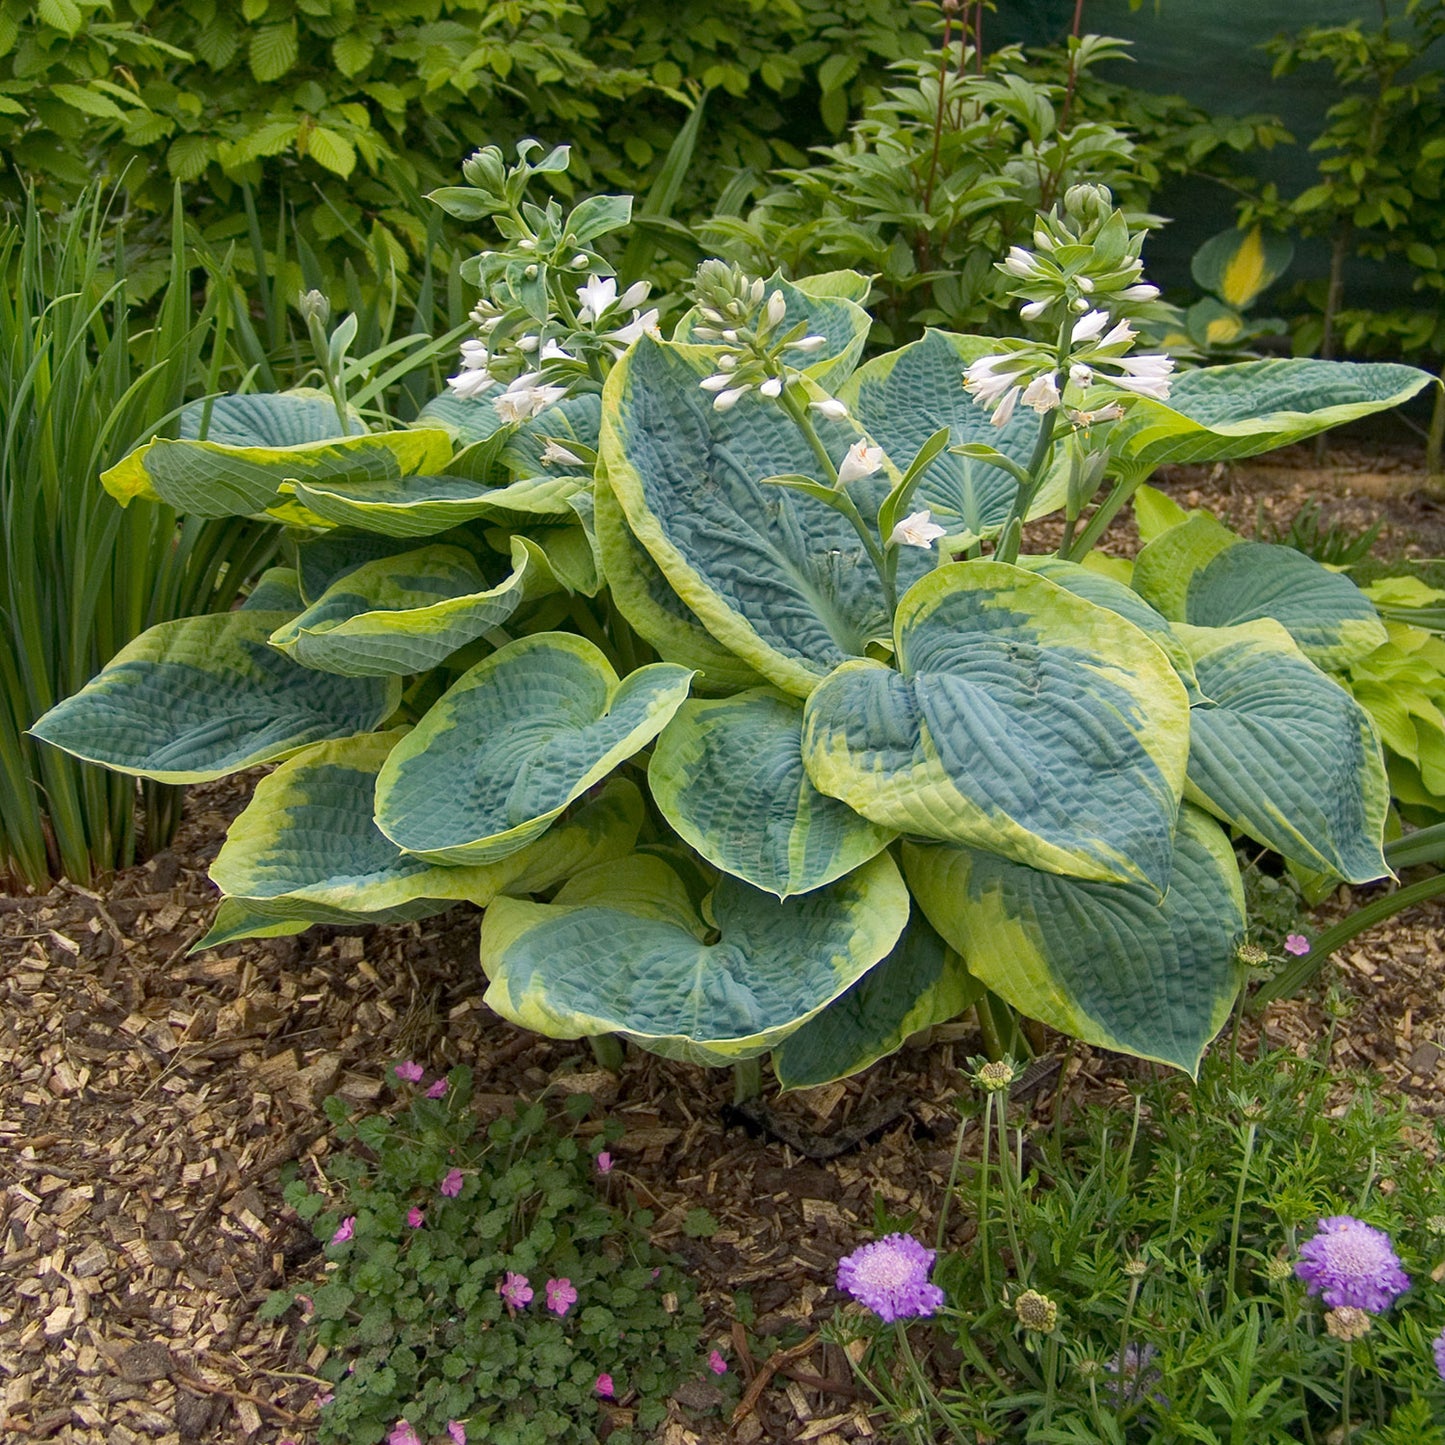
[709, 658]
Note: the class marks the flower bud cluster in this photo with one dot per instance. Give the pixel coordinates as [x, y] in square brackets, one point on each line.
[758, 349]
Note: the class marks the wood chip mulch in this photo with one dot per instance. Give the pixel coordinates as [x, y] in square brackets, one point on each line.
[148, 1099]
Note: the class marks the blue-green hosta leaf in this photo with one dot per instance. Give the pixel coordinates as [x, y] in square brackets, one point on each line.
[424, 506]
[1226, 583]
[307, 846]
[469, 419]
[1024, 719]
[655, 612]
[513, 741]
[622, 950]
[196, 699]
[1107, 963]
[323, 559]
[278, 589]
[921, 983]
[728, 775]
[1218, 412]
[223, 479]
[902, 398]
[1284, 753]
[402, 614]
[234, 920]
[566, 555]
[780, 579]
[573, 419]
[268, 419]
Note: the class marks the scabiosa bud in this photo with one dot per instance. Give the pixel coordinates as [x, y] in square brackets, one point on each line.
[1036, 1312]
[890, 1277]
[1350, 1263]
[1347, 1323]
[1251, 955]
[1276, 1271]
[995, 1075]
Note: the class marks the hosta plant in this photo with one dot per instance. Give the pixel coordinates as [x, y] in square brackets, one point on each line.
[716, 669]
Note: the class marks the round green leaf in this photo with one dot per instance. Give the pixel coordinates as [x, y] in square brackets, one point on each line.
[622, 950]
[1023, 719]
[515, 740]
[196, 699]
[1107, 963]
[728, 775]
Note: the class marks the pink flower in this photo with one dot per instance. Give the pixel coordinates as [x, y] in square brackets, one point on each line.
[451, 1186]
[1297, 944]
[415, 1218]
[560, 1296]
[604, 1387]
[344, 1230]
[716, 1363]
[403, 1434]
[325, 1400]
[411, 1073]
[604, 1163]
[515, 1290]
[307, 1304]
[437, 1089]
[457, 1431]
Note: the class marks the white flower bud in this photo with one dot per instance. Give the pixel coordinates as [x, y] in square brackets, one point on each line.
[808, 344]
[718, 382]
[1087, 327]
[1032, 310]
[726, 400]
[772, 387]
[1085, 284]
[777, 308]
[832, 408]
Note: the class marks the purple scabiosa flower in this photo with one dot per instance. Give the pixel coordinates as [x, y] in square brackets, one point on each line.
[560, 1296]
[411, 1073]
[437, 1089]
[1350, 1263]
[451, 1186]
[1440, 1353]
[415, 1218]
[1297, 944]
[515, 1290]
[890, 1277]
[457, 1431]
[344, 1230]
[716, 1363]
[604, 1387]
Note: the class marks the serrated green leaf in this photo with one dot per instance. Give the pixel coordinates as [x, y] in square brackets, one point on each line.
[273, 51]
[330, 149]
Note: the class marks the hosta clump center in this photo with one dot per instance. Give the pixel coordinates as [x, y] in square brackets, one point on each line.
[711, 666]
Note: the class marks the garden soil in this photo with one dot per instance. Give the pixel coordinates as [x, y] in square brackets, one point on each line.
[149, 1098]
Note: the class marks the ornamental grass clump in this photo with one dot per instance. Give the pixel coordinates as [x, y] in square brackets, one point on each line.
[496, 1311]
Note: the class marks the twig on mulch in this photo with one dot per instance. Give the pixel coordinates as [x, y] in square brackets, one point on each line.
[770, 1367]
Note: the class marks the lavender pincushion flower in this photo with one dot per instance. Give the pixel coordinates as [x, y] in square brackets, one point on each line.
[1352, 1265]
[1440, 1353]
[890, 1277]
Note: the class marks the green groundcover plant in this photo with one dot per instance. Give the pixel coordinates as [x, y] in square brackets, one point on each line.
[1244, 1261]
[479, 1284]
[713, 667]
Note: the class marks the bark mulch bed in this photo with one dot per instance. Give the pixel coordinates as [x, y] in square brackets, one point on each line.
[149, 1097]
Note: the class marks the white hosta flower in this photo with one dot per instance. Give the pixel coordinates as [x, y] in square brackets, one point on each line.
[1119, 335]
[727, 400]
[528, 344]
[1020, 263]
[1145, 375]
[916, 530]
[990, 377]
[554, 454]
[1003, 412]
[553, 352]
[1081, 375]
[1086, 328]
[643, 323]
[634, 296]
[471, 383]
[718, 381]
[808, 344]
[1086, 419]
[727, 362]
[831, 408]
[772, 387]
[1085, 284]
[1042, 393]
[1032, 310]
[1142, 292]
[598, 297]
[475, 355]
[861, 461]
[777, 308]
[525, 398]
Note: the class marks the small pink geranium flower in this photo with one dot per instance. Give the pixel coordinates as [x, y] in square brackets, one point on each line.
[403, 1433]
[515, 1290]
[451, 1186]
[716, 1363]
[560, 1296]
[604, 1387]
[437, 1089]
[411, 1072]
[1297, 944]
[344, 1230]
[457, 1431]
[604, 1163]
[415, 1217]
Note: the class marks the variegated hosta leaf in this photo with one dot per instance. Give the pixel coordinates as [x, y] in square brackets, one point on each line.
[402, 614]
[1218, 412]
[323, 559]
[1023, 719]
[902, 398]
[278, 589]
[196, 699]
[308, 849]
[779, 578]
[241, 477]
[470, 419]
[564, 555]
[1108, 963]
[1284, 753]
[573, 419]
[830, 305]
[424, 506]
[623, 950]
[1105, 591]
[513, 741]
[268, 419]
[728, 775]
[1225, 581]
[921, 983]
[654, 611]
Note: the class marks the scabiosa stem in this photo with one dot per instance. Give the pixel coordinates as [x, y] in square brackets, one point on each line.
[983, 1196]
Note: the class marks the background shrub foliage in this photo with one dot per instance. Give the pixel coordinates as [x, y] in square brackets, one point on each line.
[637, 643]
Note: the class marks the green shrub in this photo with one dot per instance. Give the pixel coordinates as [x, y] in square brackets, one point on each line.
[713, 566]
[480, 1279]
